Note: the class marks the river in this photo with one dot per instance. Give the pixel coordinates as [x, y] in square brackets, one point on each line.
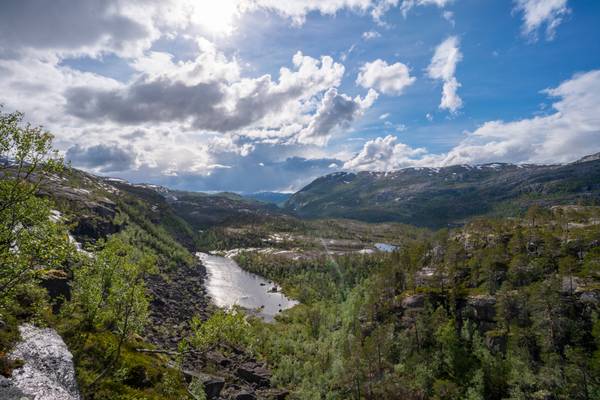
[230, 285]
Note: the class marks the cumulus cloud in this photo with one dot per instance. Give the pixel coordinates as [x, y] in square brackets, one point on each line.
[154, 116]
[443, 67]
[102, 158]
[83, 26]
[388, 79]
[155, 101]
[335, 110]
[570, 132]
[197, 92]
[128, 28]
[537, 13]
[384, 154]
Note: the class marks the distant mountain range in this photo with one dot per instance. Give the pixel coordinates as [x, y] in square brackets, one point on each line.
[437, 197]
[430, 197]
[278, 198]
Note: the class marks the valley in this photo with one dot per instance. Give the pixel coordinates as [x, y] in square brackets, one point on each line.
[159, 293]
[299, 200]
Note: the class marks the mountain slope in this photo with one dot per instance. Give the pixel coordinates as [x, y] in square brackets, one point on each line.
[437, 197]
[278, 198]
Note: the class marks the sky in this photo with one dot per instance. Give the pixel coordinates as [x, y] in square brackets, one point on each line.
[267, 95]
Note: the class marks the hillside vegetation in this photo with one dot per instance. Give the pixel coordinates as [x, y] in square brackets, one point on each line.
[440, 197]
[497, 309]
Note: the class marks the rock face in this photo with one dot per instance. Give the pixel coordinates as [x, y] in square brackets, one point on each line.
[48, 372]
[255, 374]
[481, 308]
[8, 390]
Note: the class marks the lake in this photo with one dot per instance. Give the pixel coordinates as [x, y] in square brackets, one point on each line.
[229, 285]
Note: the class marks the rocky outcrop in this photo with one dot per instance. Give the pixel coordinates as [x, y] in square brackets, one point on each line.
[416, 301]
[481, 308]
[177, 297]
[213, 385]
[47, 373]
[254, 374]
[8, 390]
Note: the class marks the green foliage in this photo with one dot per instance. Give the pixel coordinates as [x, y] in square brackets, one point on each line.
[29, 241]
[223, 328]
[154, 237]
[109, 306]
[196, 389]
[31, 244]
[354, 339]
[109, 303]
[135, 376]
[109, 290]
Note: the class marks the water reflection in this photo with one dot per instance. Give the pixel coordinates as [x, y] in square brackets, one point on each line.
[229, 285]
[388, 248]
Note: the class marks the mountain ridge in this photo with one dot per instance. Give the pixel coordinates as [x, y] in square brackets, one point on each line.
[437, 197]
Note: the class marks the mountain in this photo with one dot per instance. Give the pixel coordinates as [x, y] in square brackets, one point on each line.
[91, 204]
[277, 198]
[437, 197]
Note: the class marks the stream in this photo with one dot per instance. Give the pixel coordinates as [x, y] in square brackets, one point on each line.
[230, 285]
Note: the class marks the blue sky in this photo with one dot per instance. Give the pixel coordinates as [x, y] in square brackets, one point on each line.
[191, 94]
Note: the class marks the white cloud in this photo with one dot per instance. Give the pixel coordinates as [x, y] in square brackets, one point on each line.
[128, 28]
[384, 154]
[570, 132]
[336, 110]
[396, 127]
[388, 79]
[171, 106]
[450, 100]
[208, 94]
[381, 8]
[407, 5]
[443, 67]
[160, 120]
[298, 9]
[371, 35]
[76, 28]
[449, 16]
[541, 12]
